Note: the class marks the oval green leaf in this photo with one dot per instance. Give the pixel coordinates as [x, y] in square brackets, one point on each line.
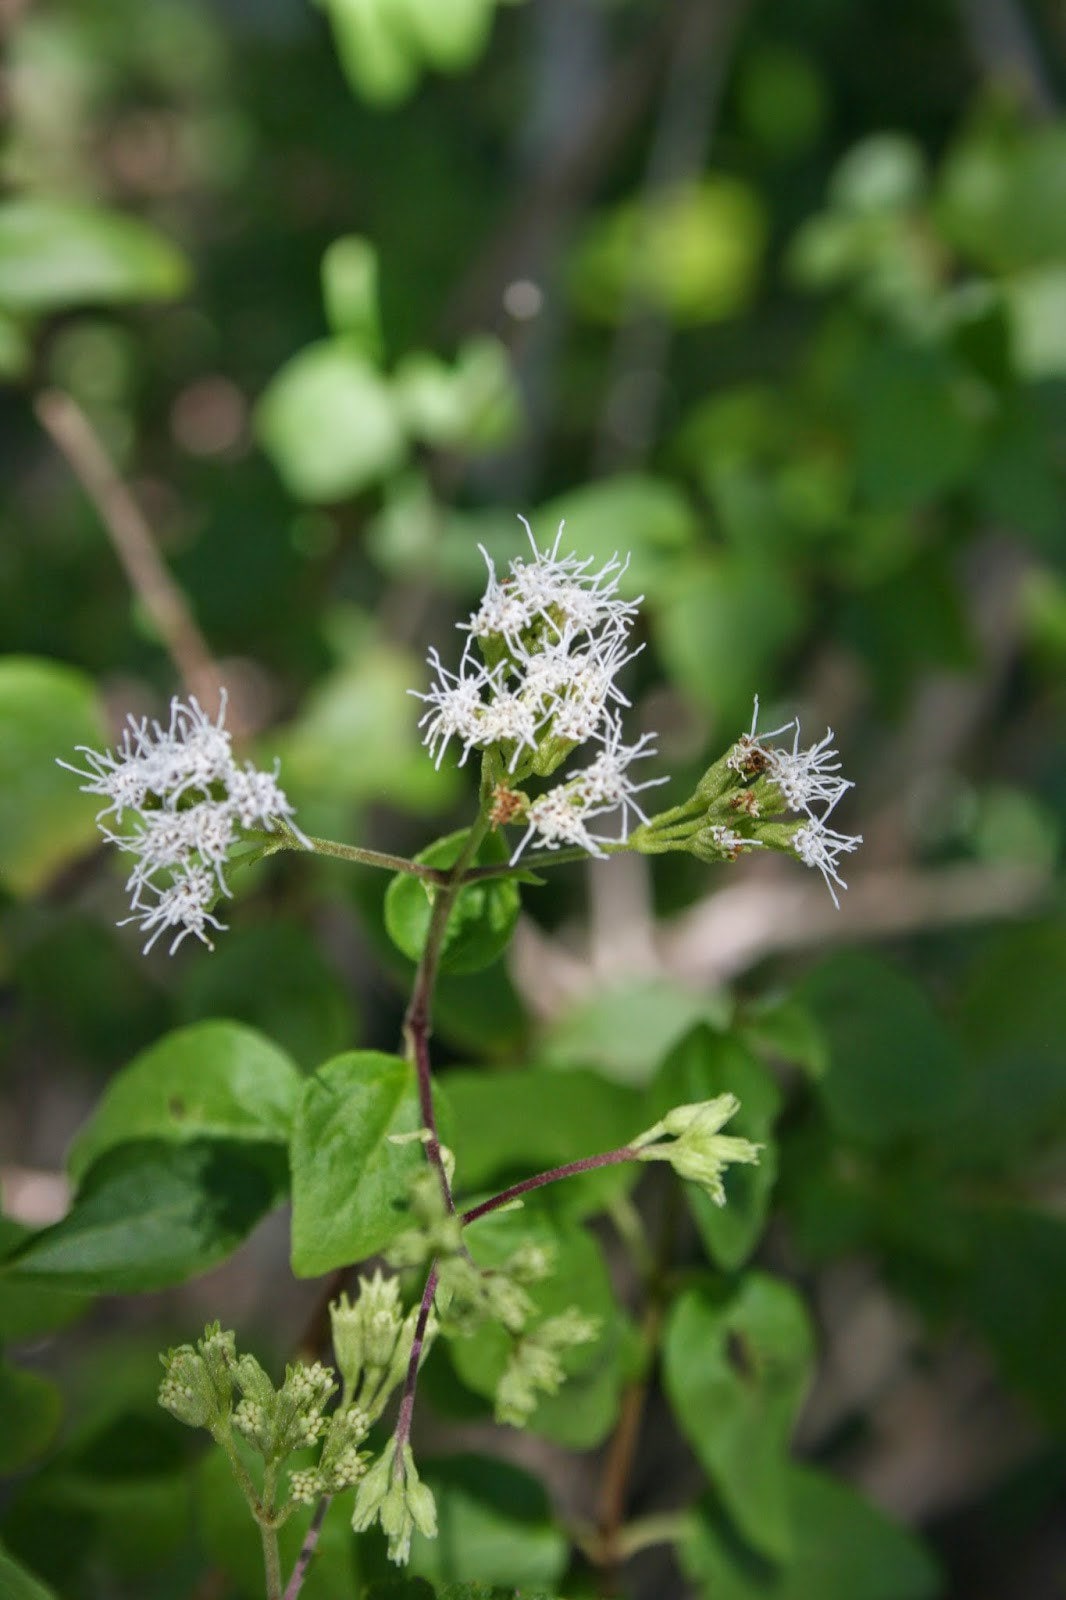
[349, 1181]
[211, 1080]
[482, 919]
[46, 709]
[153, 1214]
[736, 1371]
[55, 254]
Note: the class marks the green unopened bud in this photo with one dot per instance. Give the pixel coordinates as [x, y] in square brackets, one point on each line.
[197, 1386]
[392, 1493]
[688, 1138]
[341, 1462]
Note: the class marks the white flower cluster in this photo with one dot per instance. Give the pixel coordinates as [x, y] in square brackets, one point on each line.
[553, 635]
[806, 779]
[188, 798]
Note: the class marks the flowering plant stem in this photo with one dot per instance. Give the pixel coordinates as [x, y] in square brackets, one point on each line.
[607, 1158]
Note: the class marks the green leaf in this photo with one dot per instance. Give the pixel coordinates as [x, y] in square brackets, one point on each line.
[31, 1407]
[55, 254]
[350, 292]
[472, 406]
[450, 37]
[649, 519]
[845, 1549]
[46, 709]
[273, 976]
[624, 1032]
[494, 1526]
[349, 1182]
[213, 1080]
[736, 1369]
[694, 253]
[16, 1583]
[917, 433]
[703, 1065]
[355, 738]
[582, 1414]
[725, 625]
[1016, 1295]
[510, 1124]
[895, 1071]
[152, 1214]
[482, 918]
[328, 421]
[26, 1309]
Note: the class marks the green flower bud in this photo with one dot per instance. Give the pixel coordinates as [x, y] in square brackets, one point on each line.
[392, 1493]
[688, 1138]
[197, 1386]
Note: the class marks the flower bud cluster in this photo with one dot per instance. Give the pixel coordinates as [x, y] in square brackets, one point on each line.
[689, 1138]
[189, 799]
[535, 1367]
[201, 1384]
[372, 1340]
[197, 1386]
[552, 636]
[392, 1493]
[276, 1422]
[742, 801]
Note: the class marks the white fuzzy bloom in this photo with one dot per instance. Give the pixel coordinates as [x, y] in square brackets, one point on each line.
[189, 799]
[183, 904]
[555, 630]
[821, 847]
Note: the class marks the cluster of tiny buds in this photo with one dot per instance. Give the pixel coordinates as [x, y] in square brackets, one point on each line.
[552, 635]
[809, 782]
[188, 798]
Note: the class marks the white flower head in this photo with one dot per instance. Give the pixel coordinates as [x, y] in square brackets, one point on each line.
[189, 800]
[821, 847]
[554, 632]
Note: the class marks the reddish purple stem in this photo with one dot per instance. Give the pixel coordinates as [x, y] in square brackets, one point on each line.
[609, 1158]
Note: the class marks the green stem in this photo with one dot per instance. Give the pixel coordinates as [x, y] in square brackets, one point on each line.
[368, 858]
[271, 1561]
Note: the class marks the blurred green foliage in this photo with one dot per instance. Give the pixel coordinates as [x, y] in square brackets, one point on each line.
[338, 298]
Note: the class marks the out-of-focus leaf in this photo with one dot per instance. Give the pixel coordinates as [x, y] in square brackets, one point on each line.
[231, 1539]
[349, 1180]
[30, 1406]
[18, 1583]
[895, 1070]
[46, 709]
[1037, 305]
[736, 1369]
[884, 172]
[648, 519]
[356, 740]
[705, 1064]
[213, 1080]
[782, 1028]
[329, 423]
[482, 919]
[1003, 197]
[844, 1549]
[693, 252]
[15, 348]
[725, 625]
[1016, 1295]
[917, 433]
[383, 44]
[273, 976]
[473, 405]
[782, 99]
[350, 293]
[55, 254]
[504, 1132]
[152, 1214]
[494, 1525]
[624, 1032]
